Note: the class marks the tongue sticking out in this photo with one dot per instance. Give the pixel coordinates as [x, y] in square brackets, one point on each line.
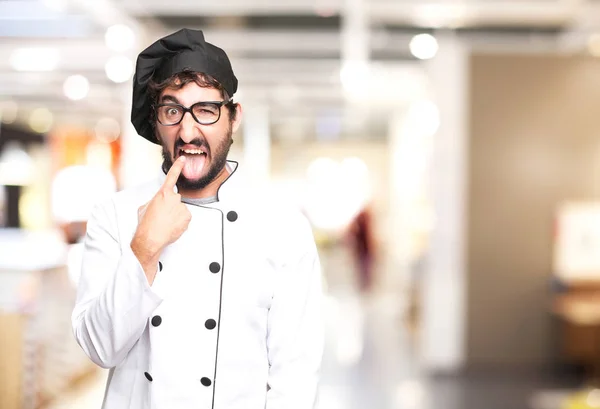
[194, 165]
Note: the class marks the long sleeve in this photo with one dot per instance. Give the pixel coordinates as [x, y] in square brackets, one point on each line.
[295, 328]
[114, 299]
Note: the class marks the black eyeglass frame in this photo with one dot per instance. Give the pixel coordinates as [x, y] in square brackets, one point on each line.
[219, 104]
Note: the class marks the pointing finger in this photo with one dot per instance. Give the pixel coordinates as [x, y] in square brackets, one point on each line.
[142, 211]
[174, 173]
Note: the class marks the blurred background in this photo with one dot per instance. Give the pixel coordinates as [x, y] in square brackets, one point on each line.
[447, 154]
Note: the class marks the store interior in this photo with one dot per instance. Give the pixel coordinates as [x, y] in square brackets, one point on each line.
[459, 142]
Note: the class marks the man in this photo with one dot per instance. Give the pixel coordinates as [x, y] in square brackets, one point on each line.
[198, 291]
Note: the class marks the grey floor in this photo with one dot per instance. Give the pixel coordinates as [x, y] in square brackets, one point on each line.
[370, 362]
[371, 359]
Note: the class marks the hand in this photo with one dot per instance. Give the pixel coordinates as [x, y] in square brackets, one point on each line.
[161, 222]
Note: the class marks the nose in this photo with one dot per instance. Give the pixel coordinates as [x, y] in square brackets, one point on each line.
[188, 128]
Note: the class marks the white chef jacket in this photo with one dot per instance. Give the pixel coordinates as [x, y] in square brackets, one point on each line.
[233, 319]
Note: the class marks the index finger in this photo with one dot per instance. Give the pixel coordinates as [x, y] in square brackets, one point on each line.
[174, 173]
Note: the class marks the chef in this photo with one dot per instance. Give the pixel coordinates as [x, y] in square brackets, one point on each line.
[198, 291]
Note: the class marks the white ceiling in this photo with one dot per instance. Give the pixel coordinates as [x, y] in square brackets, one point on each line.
[285, 53]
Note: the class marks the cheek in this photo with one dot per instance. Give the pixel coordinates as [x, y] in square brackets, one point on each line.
[215, 137]
[167, 137]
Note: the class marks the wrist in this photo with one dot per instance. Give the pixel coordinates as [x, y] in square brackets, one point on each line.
[144, 247]
[147, 254]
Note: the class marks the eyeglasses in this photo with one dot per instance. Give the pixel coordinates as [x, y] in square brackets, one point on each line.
[205, 113]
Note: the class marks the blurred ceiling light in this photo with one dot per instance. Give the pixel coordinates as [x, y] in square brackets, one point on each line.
[58, 5]
[8, 111]
[119, 37]
[594, 45]
[424, 117]
[16, 166]
[41, 120]
[119, 69]
[107, 130]
[34, 59]
[76, 87]
[424, 46]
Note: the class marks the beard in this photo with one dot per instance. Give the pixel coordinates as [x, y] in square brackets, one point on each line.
[218, 159]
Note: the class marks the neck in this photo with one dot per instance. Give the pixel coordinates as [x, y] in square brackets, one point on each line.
[209, 190]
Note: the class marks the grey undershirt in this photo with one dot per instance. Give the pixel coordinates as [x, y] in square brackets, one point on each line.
[204, 200]
[199, 202]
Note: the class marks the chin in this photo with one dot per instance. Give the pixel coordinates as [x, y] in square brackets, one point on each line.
[194, 179]
[192, 184]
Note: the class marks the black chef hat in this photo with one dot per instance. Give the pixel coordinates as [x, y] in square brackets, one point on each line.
[185, 49]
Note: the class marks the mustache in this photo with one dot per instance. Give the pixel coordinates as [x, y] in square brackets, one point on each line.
[199, 143]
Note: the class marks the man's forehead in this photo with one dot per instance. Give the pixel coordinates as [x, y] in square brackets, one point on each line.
[190, 90]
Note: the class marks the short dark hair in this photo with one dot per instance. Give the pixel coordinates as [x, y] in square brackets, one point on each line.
[181, 79]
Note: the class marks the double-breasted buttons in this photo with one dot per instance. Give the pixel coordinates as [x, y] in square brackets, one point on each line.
[205, 381]
[210, 324]
[148, 376]
[156, 320]
[232, 216]
[214, 267]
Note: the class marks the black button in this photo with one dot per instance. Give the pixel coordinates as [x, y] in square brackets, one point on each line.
[147, 375]
[159, 266]
[206, 381]
[210, 324]
[156, 320]
[232, 216]
[214, 267]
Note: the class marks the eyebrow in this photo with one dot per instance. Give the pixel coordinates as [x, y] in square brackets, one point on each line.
[169, 98]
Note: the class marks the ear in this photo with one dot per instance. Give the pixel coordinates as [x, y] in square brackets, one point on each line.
[238, 118]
